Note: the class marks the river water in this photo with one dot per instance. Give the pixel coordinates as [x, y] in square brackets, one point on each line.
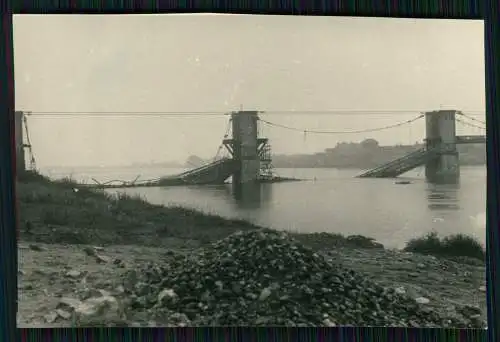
[332, 200]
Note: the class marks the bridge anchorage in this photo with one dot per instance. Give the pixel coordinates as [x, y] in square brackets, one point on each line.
[439, 156]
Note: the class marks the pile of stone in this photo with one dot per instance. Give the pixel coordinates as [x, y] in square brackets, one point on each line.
[265, 277]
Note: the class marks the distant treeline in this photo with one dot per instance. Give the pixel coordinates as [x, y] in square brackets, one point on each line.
[368, 154]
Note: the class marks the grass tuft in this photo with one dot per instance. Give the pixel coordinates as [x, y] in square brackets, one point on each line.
[457, 245]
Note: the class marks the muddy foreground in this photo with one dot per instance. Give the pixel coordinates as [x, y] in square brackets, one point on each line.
[50, 274]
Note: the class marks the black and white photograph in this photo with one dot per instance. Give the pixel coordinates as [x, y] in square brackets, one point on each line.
[250, 170]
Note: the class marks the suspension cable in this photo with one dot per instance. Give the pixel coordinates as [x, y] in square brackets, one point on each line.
[305, 131]
[469, 124]
[471, 118]
[228, 128]
[102, 114]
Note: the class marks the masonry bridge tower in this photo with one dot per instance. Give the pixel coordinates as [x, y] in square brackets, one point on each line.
[249, 161]
[440, 129]
[251, 155]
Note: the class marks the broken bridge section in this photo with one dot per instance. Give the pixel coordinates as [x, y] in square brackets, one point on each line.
[440, 155]
[216, 172]
[403, 164]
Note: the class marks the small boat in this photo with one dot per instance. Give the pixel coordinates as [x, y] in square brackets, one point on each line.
[403, 182]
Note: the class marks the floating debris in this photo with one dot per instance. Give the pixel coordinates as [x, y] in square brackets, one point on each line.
[402, 182]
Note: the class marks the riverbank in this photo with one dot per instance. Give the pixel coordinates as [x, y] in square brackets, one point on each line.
[61, 222]
[64, 212]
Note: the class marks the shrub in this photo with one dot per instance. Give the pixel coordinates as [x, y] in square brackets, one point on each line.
[428, 244]
[457, 245]
[463, 245]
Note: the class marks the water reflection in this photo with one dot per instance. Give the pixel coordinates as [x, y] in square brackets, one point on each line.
[443, 196]
[251, 195]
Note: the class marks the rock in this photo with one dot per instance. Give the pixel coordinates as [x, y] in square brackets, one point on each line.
[68, 303]
[86, 293]
[422, 300]
[179, 319]
[166, 295]
[101, 259]
[265, 293]
[328, 323]
[421, 265]
[51, 317]
[63, 313]
[130, 280]
[73, 274]
[25, 287]
[120, 289]
[469, 310]
[36, 248]
[99, 310]
[400, 290]
[104, 293]
[90, 251]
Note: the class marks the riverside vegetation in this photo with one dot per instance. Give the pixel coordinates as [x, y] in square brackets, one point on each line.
[90, 258]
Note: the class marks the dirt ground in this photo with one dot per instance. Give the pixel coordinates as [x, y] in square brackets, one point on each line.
[49, 272]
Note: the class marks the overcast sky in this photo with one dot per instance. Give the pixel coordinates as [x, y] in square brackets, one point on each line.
[217, 63]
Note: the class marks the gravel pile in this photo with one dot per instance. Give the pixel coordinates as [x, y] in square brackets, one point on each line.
[265, 277]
